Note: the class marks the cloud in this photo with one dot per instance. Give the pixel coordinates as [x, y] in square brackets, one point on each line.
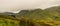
[16, 5]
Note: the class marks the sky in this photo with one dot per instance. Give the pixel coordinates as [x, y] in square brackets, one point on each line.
[17, 5]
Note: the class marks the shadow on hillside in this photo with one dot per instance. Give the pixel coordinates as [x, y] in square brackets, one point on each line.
[24, 22]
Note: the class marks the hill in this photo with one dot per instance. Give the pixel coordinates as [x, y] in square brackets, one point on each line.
[36, 17]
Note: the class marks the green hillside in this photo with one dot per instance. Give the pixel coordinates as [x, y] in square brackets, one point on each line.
[36, 17]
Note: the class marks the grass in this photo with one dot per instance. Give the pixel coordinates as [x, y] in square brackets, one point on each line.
[8, 22]
[28, 22]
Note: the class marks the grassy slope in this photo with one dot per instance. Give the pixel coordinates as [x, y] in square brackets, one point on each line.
[38, 17]
[8, 21]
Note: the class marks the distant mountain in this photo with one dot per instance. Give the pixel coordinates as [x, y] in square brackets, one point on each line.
[56, 8]
[54, 12]
[23, 12]
[8, 14]
[37, 13]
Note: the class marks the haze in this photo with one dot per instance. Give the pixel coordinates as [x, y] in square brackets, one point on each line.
[17, 5]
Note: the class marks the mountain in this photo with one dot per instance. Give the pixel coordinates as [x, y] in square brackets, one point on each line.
[35, 17]
[32, 14]
[54, 12]
[56, 9]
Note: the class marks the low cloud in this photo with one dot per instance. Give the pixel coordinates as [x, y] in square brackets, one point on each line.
[16, 5]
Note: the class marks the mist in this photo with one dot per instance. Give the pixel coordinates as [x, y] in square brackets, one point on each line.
[16, 5]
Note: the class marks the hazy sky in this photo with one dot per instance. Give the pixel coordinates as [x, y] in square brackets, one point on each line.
[16, 5]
